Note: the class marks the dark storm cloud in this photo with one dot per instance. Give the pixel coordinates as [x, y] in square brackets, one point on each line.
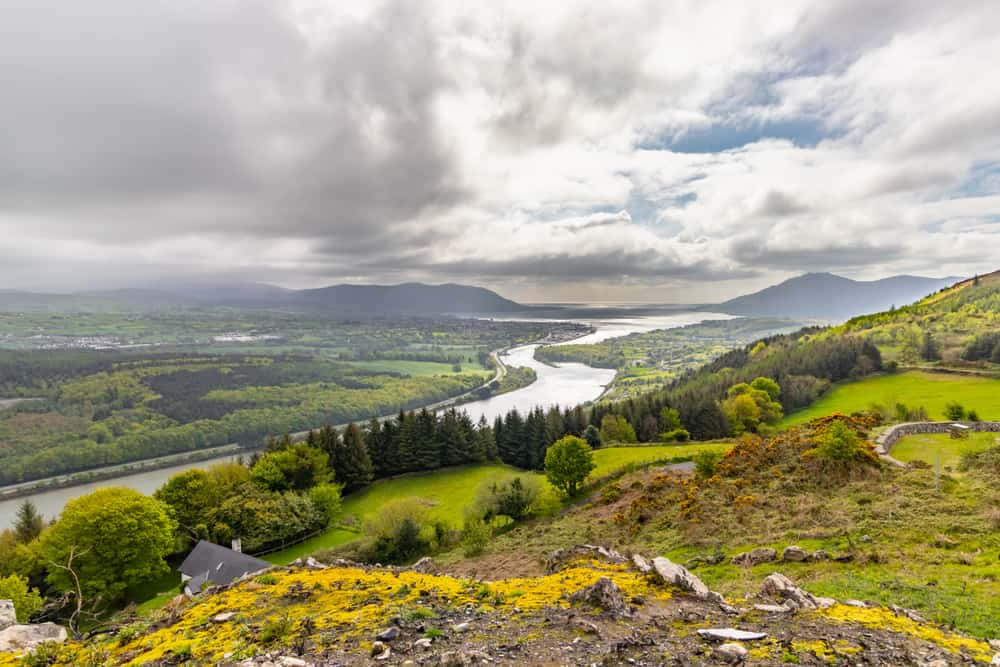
[220, 114]
[803, 257]
[584, 265]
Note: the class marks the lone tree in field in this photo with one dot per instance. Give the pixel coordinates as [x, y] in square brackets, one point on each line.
[568, 462]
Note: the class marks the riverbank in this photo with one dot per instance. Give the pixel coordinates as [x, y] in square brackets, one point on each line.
[101, 474]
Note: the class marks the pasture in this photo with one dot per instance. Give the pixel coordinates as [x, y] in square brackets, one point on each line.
[420, 368]
[447, 492]
[932, 391]
[927, 447]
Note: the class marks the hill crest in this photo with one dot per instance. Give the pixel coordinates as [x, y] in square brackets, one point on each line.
[829, 297]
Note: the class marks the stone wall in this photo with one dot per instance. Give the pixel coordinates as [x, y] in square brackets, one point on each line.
[892, 435]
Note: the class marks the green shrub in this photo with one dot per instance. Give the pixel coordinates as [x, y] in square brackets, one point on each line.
[45, 654]
[676, 435]
[611, 493]
[26, 600]
[275, 629]
[705, 463]
[512, 497]
[267, 579]
[476, 537]
[954, 411]
[396, 533]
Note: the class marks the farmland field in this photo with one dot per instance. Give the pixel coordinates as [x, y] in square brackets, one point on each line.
[925, 447]
[449, 491]
[915, 389]
[420, 368]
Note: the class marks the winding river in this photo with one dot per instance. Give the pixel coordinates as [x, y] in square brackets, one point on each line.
[566, 384]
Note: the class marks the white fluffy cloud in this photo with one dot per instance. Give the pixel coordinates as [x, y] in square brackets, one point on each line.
[653, 152]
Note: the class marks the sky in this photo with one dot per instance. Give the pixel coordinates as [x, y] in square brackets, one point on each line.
[607, 151]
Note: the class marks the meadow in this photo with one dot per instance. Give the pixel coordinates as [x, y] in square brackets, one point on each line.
[927, 447]
[447, 492]
[931, 391]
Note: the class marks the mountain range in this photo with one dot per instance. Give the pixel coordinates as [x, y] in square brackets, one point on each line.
[407, 298]
[825, 296]
[813, 296]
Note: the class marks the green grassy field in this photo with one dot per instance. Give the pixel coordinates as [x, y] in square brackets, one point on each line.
[447, 492]
[915, 388]
[420, 368]
[925, 447]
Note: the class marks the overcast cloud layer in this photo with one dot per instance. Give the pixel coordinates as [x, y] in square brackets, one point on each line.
[664, 151]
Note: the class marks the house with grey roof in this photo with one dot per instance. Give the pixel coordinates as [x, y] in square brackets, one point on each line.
[213, 565]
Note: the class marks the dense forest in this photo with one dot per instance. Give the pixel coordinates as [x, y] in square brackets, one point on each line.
[140, 408]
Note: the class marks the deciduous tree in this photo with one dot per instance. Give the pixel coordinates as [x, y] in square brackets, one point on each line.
[115, 537]
[568, 462]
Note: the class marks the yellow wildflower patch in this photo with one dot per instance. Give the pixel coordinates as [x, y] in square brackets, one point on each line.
[886, 619]
[339, 605]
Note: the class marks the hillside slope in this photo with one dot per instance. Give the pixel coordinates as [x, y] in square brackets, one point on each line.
[953, 316]
[825, 296]
[585, 612]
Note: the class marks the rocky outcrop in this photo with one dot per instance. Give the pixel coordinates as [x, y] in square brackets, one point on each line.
[779, 587]
[681, 577]
[7, 614]
[424, 566]
[18, 638]
[605, 595]
[794, 554]
[755, 557]
[561, 557]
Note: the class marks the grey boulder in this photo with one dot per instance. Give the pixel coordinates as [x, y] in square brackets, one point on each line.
[26, 637]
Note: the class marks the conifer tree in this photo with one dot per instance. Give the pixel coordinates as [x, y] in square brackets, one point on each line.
[28, 523]
[352, 466]
[375, 441]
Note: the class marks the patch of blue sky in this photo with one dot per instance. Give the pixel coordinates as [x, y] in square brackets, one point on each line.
[983, 179]
[720, 137]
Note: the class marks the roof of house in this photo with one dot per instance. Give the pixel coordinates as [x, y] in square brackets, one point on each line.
[211, 562]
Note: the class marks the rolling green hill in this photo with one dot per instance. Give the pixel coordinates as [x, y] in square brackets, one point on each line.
[953, 317]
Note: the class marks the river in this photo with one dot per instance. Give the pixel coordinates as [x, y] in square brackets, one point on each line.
[565, 384]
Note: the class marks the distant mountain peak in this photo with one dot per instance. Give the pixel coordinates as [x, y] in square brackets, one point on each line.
[827, 296]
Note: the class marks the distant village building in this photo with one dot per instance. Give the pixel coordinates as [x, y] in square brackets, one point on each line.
[213, 565]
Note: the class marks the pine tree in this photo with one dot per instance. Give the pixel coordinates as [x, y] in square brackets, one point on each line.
[390, 446]
[409, 444]
[428, 443]
[487, 440]
[328, 440]
[353, 466]
[28, 523]
[375, 441]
